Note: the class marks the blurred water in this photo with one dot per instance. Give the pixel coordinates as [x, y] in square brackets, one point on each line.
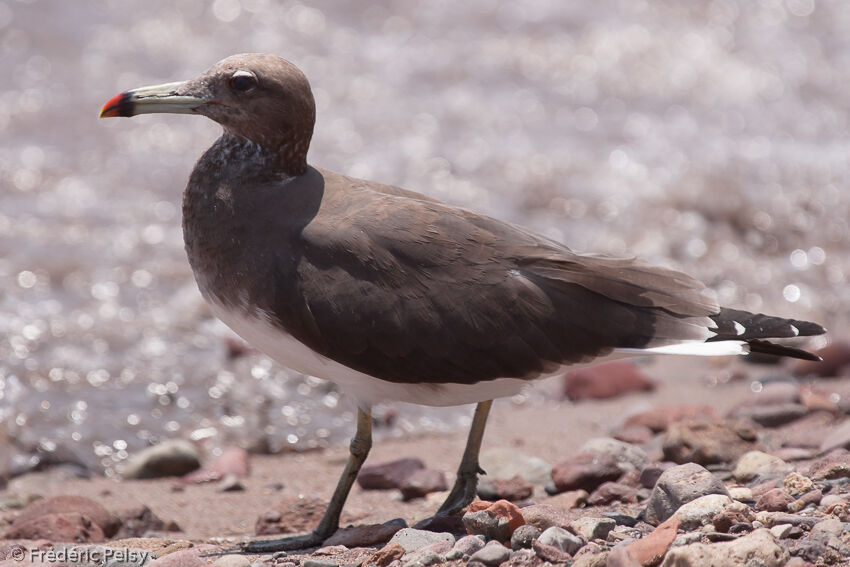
[711, 136]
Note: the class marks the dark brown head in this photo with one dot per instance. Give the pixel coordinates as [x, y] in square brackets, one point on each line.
[263, 98]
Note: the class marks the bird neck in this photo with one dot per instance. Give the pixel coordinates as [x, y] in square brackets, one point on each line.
[284, 157]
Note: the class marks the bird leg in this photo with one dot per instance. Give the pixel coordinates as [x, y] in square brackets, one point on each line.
[466, 483]
[359, 449]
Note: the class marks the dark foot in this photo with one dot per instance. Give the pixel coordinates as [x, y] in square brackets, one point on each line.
[293, 543]
[463, 492]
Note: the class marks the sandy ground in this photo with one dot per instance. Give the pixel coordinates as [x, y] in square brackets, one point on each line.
[552, 431]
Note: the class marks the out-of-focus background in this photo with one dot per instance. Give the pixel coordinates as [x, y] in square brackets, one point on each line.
[708, 136]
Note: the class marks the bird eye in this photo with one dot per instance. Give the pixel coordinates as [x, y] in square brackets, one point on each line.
[243, 81]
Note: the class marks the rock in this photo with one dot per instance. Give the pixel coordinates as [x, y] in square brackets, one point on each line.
[591, 555]
[232, 561]
[567, 500]
[732, 519]
[523, 536]
[772, 415]
[606, 380]
[836, 359]
[185, 557]
[430, 554]
[387, 476]
[707, 443]
[585, 471]
[69, 504]
[512, 490]
[837, 438]
[232, 462]
[291, 515]
[637, 434]
[496, 520]
[741, 494]
[659, 419]
[757, 548]
[650, 474]
[781, 531]
[700, 511]
[506, 463]
[65, 527]
[386, 555]
[412, 539]
[812, 497]
[776, 500]
[620, 557]
[230, 483]
[364, 536]
[318, 563]
[450, 524]
[136, 522]
[835, 464]
[494, 553]
[543, 516]
[469, 544]
[591, 528]
[826, 529]
[612, 492]
[628, 456]
[650, 549]
[561, 539]
[797, 484]
[816, 399]
[423, 482]
[550, 553]
[756, 463]
[679, 485]
[174, 457]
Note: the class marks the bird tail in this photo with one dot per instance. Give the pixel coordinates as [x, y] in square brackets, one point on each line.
[755, 328]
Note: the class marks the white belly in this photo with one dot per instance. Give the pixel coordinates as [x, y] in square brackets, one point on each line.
[367, 390]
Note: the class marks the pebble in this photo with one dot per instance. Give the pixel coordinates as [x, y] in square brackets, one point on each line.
[387, 476]
[561, 539]
[513, 489]
[757, 548]
[650, 474]
[781, 531]
[386, 555]
[291, 515]
[68, 526]
[650, 549]
[174, 457]
[659, 419]
[612, 492]
[107, 523]
[592, 528]
[757, 463]
[232, 561]
[797, 484]
[700, 511]
[494, 553]
[707, 443]
[776, 500]
[469, 544]
[318, 563]
[233, 461]
[506, 463]
[837, 438]
[634, 434]
[627, 455]
[136, 522]
[678, 485]
[772, 415]
[741, 494]
[606, 380]
[421, 483]
[230, 483]
[834, 465]
[496, 520]
[585, 471]
[543, 516]
[550, 553]
[412, 539]
[523, 536]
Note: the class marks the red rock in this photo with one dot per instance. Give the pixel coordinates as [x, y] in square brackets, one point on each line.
[106, 521]
[660, 418]
[387, 476]
[636, 434]
[620, 557]
[650, 550]
[292, 515]
[136, 522]
[707, 443]
[513, 490]
[816, 399]
[585, 471]
[543, 516]
[386, 555]
[506, 513]
[612, 492]
[550, 553]
[233, 461]
[776, 500]
[835, 464]
[64, 527]
[423, 482]
[186, 557]
[606, 380]
[836, 360]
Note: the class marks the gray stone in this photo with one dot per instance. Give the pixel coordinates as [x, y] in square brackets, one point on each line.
[781, 531]
[756, 463]
[468, 545]
[627, 455]
[412, 539]
[700, 512]
[757, 548]
[174, 457]
[318, 563]
[561, 539]
[494, 553]
[679, 485]
[506, 463]
[489, 525]
[523, 536]
[772, 415]
[593, 528]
